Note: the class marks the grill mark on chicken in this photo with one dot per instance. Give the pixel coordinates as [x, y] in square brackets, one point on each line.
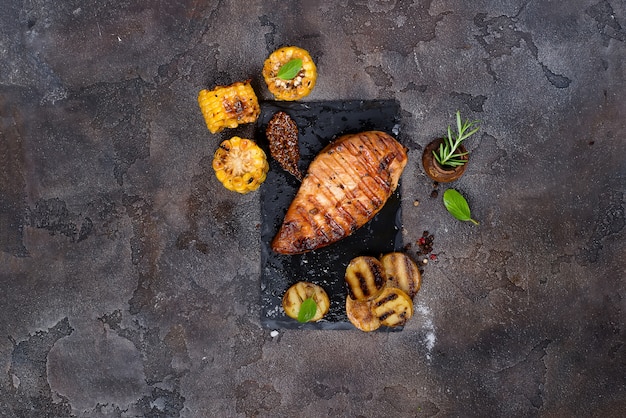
[345, 186]
[362, 174]
[373, 164]
[310, 222]
[344, 195]
[370, 153]
[326, 194]
[380, 162]
[335, 229]
[340, 221]
[335, 205]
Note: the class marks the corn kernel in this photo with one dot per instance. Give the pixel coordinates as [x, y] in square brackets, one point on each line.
[296, 88]
[229, 106]
[240, 164]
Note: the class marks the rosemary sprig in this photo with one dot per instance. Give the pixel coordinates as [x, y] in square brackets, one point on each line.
[447, 154]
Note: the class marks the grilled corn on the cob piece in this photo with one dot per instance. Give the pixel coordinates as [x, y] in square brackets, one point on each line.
[296, 87]
[301, 291]
[229, 106]
[240, 164]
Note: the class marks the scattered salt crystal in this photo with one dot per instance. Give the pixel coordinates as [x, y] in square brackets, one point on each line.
[274, 334]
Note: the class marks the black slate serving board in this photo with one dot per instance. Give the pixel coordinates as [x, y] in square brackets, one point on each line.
[319, 123]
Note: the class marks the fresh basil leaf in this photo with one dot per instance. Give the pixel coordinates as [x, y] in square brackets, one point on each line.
[290, 69]
[307, 310]
[456, 204]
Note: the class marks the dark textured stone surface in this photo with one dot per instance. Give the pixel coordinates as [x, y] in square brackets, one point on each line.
[129, 278]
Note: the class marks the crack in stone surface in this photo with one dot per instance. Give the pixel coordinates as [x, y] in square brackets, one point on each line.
[606, 22]
[532, 387]
[53, 216]
[29, 389]
[145, 252]
[384, 29]
[165, 362]
[610, 220]
[475, 103]
[499, 37]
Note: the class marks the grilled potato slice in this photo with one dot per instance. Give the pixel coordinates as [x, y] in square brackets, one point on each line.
[301, 291]
[360, 314]
[392, 307]
[402, 273]
[365, 277]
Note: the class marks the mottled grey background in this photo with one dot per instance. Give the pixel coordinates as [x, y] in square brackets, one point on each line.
[129, 277]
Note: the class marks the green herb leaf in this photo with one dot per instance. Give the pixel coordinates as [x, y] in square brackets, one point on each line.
[457, 206]
[307, 310]
[290, 69]
[453, 141]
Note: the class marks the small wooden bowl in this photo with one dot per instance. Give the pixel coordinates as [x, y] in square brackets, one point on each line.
[435, 171]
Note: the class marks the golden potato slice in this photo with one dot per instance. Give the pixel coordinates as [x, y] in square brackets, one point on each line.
[364, 277]
[360, 314]
[393, 307]
[402, 273]
[301, 291]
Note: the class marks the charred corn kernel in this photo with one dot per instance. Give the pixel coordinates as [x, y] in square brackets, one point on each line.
[297, 87]
[240, 164]
[229, 106]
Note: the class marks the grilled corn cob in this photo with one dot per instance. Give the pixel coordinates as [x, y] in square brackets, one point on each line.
[240, 164]
[301, 291]
[302, 81]
[229, 106]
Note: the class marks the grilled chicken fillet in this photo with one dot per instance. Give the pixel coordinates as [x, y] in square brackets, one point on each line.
[346, 184]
